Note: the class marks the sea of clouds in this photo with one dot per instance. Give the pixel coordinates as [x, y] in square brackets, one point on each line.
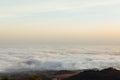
[23, 58]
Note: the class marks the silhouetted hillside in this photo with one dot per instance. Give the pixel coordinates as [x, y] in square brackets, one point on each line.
[106, 74]
[93, 74]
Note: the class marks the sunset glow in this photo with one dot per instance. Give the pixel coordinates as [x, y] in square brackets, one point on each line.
[59, 19]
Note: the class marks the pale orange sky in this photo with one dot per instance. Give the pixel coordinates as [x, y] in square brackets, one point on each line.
[31, 20]
[64, 33]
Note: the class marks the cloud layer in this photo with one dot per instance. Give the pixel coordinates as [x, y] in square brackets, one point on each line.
[19, 58]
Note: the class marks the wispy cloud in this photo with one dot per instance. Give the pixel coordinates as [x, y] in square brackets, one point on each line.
[53, 5]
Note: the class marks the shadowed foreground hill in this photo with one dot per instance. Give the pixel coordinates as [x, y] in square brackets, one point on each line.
[106, 74]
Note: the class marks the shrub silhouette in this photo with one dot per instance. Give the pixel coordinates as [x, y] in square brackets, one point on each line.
[4, 79]
[35, 77]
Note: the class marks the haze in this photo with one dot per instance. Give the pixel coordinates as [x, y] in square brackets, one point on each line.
[35, 20]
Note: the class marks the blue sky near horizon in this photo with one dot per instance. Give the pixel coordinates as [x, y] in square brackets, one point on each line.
[45, 19]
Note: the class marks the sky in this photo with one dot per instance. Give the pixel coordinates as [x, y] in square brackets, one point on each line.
[36, 20]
